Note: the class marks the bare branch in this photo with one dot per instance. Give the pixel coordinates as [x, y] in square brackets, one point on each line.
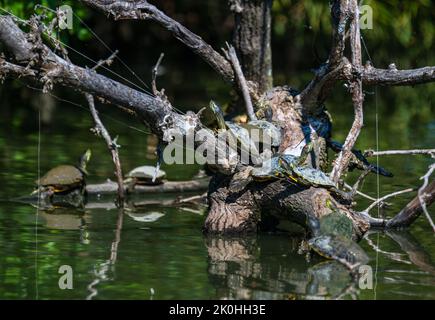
[151, 110]
[316, 92]
[422, 194]
[349, 187]
[107, 61]
[154, 111]
[232, 56]
[154, 74]
[111, 145]
[372, 153]
[413, 209]
[394, 77]
[381, 200]
[340, 14]
[142, 10]
[344, 157]
[327, 75]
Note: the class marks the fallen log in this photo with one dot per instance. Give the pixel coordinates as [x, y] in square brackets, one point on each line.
[111, 187]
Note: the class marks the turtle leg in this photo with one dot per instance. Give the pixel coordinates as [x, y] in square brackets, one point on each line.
[49, 193]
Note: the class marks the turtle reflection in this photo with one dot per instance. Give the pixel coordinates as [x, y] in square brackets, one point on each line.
[266, 267]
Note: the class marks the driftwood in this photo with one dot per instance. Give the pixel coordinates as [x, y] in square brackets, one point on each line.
[26, 56]
[110, 187]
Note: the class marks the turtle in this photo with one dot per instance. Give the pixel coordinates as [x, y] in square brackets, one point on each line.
[215, 116]
[240, 135]
[336, 224]
[308, 177]
[144, 175]
[64, 178]
[332, 239]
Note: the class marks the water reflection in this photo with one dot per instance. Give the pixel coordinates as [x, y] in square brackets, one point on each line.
[258, 268]
[149, 247]
[102, 270]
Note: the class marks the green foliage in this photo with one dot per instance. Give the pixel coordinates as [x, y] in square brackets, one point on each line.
[25, 8]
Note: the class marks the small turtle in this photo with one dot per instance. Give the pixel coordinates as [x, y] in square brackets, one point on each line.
[144, 175]
[64, 178]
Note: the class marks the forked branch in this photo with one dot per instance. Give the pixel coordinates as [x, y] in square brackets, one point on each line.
[342, 161]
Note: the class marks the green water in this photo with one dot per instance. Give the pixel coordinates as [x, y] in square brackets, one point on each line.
[170, 258]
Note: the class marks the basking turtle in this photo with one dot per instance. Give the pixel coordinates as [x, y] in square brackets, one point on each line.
[144, 175]
[241, 136]
[244, 142]
[218, 121]
[64, 178]
[333, 240]
[307, 176]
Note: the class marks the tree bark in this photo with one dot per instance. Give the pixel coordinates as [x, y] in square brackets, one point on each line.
[252, 40]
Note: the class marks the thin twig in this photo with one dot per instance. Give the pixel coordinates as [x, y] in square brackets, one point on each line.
[381, 200]
[349, 187]
[154, 74]
[372, 153]
[422, 194]
[111, 145]
[231, 55]
[360, 180]
[107, 61]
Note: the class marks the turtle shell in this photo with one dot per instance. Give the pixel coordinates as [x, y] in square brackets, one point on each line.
[336, 224]
[267, 129]
[62, 176]
[313, 177]
[146, 173]
[338, 248]
[267, 170]
[272, 168]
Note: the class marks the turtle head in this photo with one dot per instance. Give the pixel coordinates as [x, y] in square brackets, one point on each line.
[213, 106]
[305, 152]
[83, 161]
[217, 111]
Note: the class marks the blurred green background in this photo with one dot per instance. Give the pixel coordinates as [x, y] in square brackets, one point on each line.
[170, 255]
